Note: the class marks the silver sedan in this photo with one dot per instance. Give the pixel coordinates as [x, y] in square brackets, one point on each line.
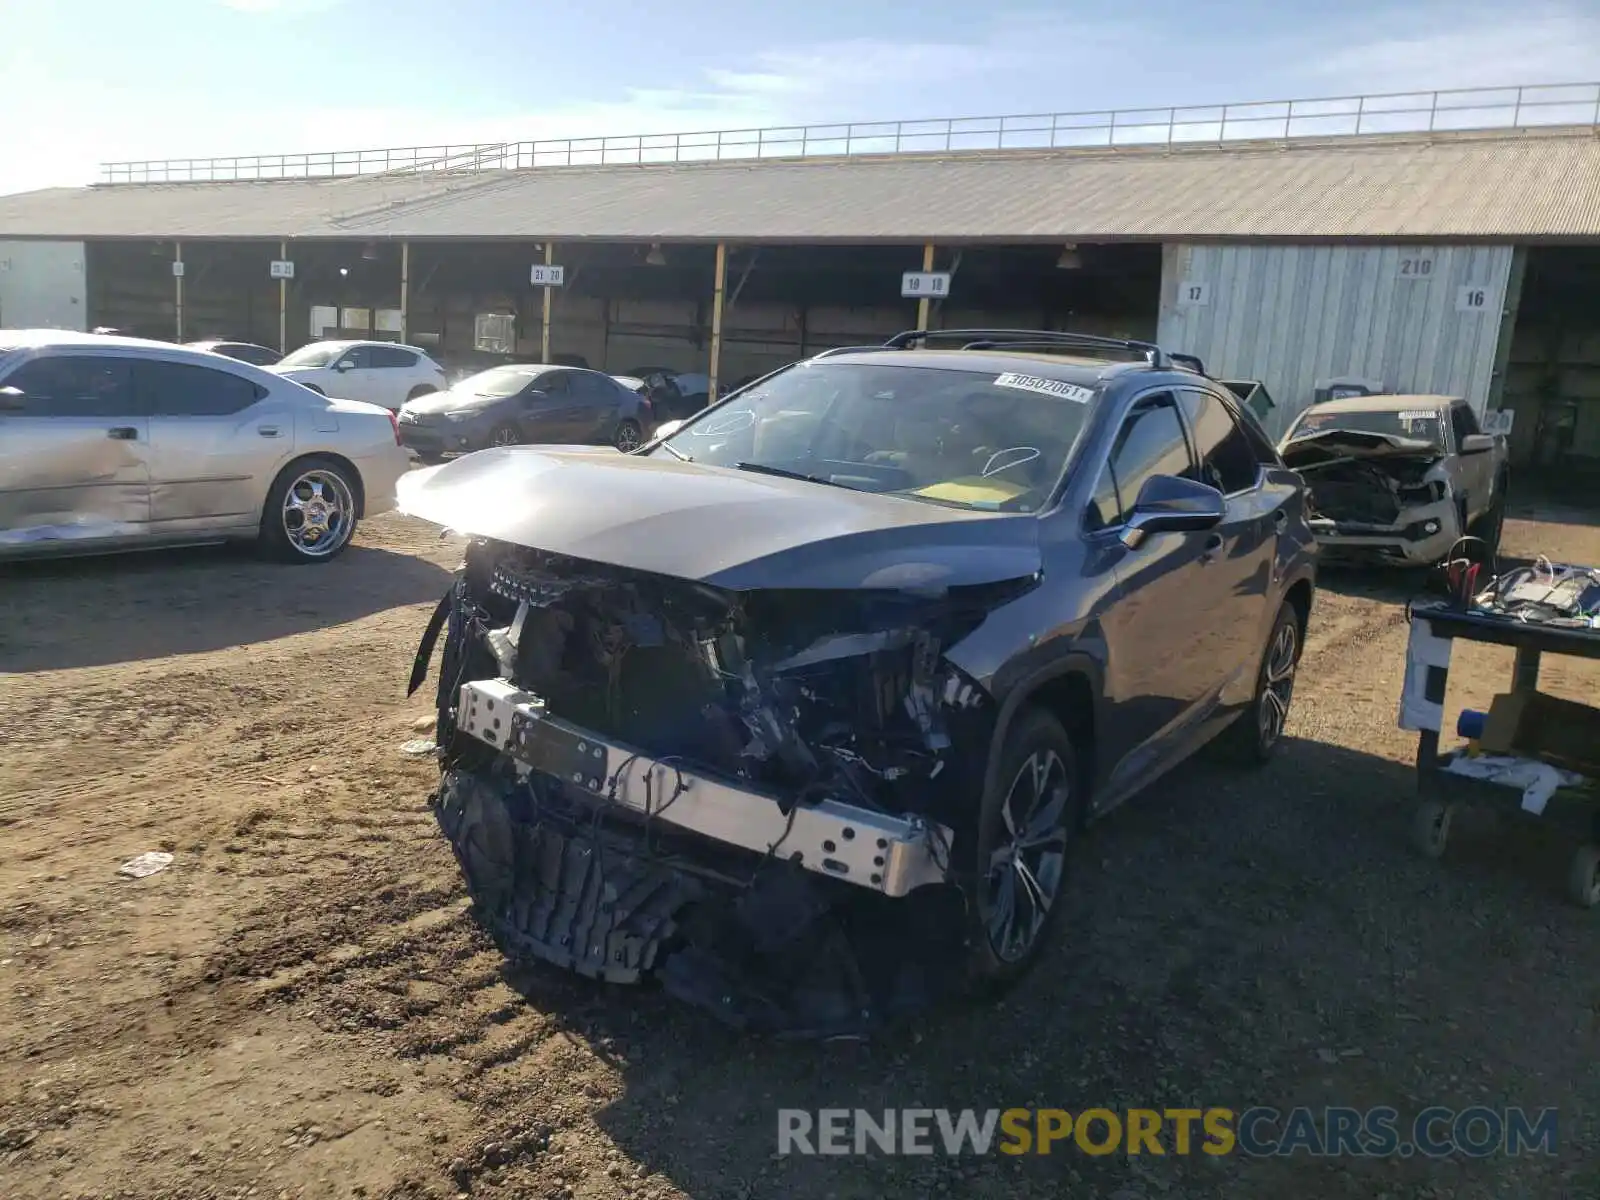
[114, 443]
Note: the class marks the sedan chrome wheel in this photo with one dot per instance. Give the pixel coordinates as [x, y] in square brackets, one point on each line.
[1277, 684]
[1025, 869]
[504, 436]
[319, 513]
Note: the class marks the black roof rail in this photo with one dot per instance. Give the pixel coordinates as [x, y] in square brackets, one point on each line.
[993, 339]
[845, 350]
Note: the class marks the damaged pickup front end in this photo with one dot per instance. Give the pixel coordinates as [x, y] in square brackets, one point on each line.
[753, 778]
[1376, 496]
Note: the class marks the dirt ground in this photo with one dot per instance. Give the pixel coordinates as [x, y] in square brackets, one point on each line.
[302, 1005]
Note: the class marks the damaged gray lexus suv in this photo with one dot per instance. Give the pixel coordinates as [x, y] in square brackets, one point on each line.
[801, 709]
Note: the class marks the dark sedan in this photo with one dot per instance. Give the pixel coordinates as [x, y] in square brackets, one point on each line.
[525, 403]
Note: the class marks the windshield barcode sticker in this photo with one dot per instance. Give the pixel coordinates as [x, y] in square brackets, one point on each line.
[1046, 387]
[1420, 414]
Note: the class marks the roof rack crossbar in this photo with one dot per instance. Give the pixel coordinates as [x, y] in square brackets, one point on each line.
[990, 339]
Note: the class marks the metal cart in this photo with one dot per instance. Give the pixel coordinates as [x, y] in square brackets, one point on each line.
[1434, 629]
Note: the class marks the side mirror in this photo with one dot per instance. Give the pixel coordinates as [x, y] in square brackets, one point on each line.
[12, 399]
[666, 429]
[1477, 443]
[343, 365]
[1168, 504]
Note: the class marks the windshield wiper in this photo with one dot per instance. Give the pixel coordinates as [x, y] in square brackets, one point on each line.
[782, 473]
[676, 453]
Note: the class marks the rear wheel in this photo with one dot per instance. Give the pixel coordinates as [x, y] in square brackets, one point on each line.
[423, 390]
[1253, 738]
[310, 514]
[1025, 828]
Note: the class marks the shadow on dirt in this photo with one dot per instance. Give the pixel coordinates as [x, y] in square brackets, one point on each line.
[89, 612]
[1231, 940]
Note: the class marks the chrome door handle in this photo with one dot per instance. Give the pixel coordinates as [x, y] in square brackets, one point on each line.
[123, 433]
[267, 430]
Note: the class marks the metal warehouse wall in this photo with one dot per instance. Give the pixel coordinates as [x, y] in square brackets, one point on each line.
[1293, 316]
[42, 285]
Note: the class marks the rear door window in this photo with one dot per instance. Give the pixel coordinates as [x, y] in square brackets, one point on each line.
[1150, 443]
[68, 385]
[390, 356]
[1226, 460]
[168, 389]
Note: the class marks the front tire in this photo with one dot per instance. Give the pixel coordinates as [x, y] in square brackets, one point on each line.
[1254, 736]
[1487, 528]
[310, 514]
[1026, 827]
[505, 435]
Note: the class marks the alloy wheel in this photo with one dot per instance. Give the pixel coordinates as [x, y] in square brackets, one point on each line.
[1025, 871]
[504, 436]
[1277, 684]
[318, 513]
[628, 438]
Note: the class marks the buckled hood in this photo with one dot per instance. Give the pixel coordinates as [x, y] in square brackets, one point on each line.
[715, 525]
[1317, 448]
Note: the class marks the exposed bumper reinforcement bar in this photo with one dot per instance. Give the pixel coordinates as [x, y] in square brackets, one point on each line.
[883, 853]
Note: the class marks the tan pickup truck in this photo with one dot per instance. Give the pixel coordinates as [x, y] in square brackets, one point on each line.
[1398, 478]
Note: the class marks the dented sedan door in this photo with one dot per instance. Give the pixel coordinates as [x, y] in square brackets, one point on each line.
[74, 454]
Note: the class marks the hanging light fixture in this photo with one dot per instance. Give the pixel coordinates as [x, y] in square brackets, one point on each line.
[655, 257]
[1070, 259]
[369, 252]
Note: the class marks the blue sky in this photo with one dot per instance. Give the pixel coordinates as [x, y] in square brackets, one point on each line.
[88, 80]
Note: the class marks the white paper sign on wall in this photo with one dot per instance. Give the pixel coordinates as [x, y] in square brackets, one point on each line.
[1499, 421]
[1194, 293]
[282, 269]
[918, 285]
[1416, 266]
[1473, 298]
[177, 270]
[547, 275]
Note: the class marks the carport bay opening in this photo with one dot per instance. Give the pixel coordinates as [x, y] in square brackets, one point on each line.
[1552, 369]
[618, 310]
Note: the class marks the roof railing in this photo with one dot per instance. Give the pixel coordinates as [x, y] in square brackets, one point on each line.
[1057, 339]
[1457, 110]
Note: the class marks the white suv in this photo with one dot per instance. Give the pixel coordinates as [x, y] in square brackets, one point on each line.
[383, 373]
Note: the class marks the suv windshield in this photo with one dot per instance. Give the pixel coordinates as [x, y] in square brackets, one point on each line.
[989, 439]
[315, 355]
[497, 381]
[1421, 424]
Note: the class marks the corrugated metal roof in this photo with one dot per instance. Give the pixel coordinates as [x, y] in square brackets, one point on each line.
[1531, 185]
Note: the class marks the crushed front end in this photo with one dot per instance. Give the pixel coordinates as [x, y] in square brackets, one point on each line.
[759, 798]
[1393, 509]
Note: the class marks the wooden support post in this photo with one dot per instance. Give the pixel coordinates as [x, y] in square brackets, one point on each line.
[718, 287]
[405, 291]
[177, 280]
[283, 303]
[922, 305]
[544, 336]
